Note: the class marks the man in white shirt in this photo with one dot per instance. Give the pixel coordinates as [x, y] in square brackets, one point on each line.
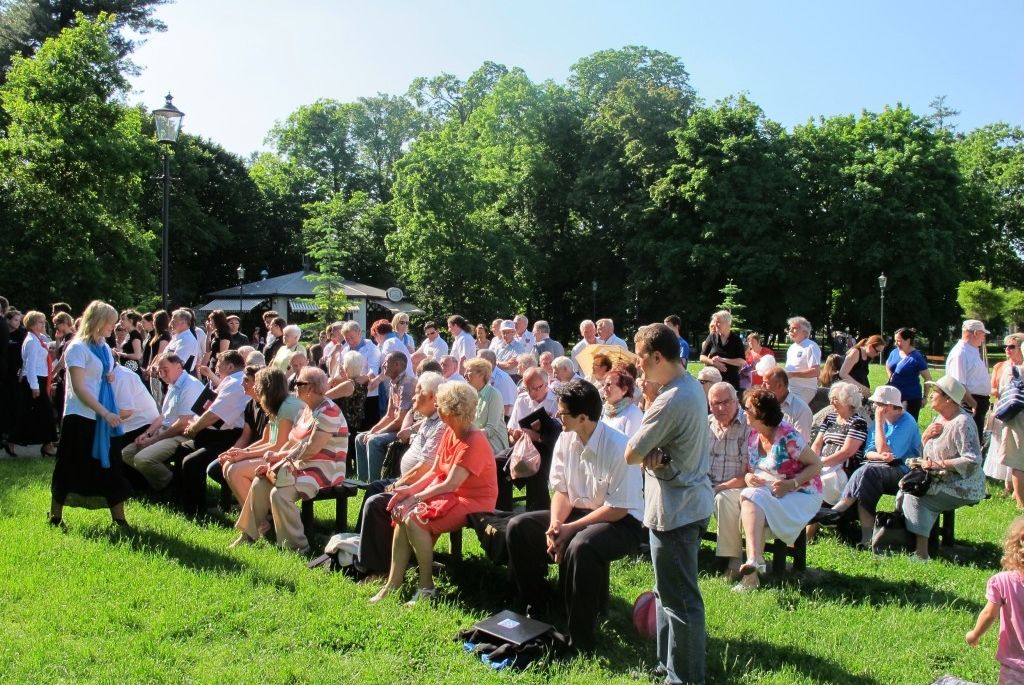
[794, 410]
[594, 517]
[149, 452]
[508, 348]
[606, 333]
[523, 335]
[463, 343]
[184, 343]
[543, 432]
[450, 369]
[803, 359]
[495, 334]
[433, 345]
[213, 432]
[589, 332]
[135, 404]
[964, 363]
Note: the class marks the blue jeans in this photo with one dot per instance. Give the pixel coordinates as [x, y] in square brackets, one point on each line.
[682, 633]
[370, 455]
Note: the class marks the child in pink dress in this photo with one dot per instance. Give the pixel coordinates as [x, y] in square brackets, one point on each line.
[1005, 595]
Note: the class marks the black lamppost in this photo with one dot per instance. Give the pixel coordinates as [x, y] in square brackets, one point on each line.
[882, 280]
[241, 277]
[168, 123]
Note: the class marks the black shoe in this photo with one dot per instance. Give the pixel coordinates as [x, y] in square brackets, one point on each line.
[58, 522]
[829, 518]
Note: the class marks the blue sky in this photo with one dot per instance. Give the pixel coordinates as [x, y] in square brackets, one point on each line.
[236, 66]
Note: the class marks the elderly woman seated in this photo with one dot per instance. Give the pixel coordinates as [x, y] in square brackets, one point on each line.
[462, 481]
[952, 453]
[783, 486]
[892, 439]
[490, 412]
[424, 438]
[562, 372]
[620, 411]
[313, 458]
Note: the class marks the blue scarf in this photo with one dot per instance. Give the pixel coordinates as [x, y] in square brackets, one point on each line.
[101, 438]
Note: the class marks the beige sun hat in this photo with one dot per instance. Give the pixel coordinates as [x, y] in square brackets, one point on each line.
[950, 387]
[887, 394]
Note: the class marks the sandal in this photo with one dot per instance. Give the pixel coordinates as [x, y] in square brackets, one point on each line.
[751, 566]
[424, 594]
[241, 541]
[384, 592]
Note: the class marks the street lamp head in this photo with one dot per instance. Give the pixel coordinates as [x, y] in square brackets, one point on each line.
[241, 272]
[882, 280]
[168, 122]
[264, 274]
[593, 286]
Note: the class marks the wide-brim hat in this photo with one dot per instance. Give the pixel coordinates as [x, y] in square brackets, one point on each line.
[950, 387]
[887, 394]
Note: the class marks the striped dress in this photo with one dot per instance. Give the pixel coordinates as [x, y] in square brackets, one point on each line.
[327, 467]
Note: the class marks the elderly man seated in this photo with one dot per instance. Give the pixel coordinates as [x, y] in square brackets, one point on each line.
[149, 452]
[795, 411]
[594, 517]
[543, 432]
[372, 445]
[728, 464]
[424, 438]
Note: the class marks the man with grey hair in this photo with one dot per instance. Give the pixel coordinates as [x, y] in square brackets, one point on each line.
[184, 343]
[542, 341]
[450, 368]
[729, 463]
[371, 446]
[803, 359]
[964, 363]
[588, 330]
[606, 333]
[355, 342]
[523, 335]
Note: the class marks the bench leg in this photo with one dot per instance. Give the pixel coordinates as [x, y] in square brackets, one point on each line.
[455, 544]
[341, 514]
[307, 516]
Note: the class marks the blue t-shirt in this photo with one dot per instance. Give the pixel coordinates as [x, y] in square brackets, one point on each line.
[906, 373]
[903, 437]
[684, 350]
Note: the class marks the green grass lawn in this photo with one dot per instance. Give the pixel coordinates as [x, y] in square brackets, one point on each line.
[170, 604]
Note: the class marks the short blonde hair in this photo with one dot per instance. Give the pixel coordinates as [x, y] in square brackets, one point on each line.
[97, 315]
[1012, 339]
[723, 316]
[457, 399]
[32, 318]
[481, 366]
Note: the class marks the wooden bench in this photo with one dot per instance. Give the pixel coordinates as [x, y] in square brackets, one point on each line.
[340, 494]
[936, 361]
[779, 551]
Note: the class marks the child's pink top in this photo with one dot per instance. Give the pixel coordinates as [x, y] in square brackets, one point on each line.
[1007, 590]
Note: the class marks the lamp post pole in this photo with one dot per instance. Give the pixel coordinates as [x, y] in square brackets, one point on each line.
[882, 280]
[241, 277]
[593, 308]
[168, 124]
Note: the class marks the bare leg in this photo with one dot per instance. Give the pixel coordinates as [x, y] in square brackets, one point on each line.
[423, 545]
[1017, 476]
[401, 551]
[753, 529]
[867, 524]
[922, 546]
[844, 504]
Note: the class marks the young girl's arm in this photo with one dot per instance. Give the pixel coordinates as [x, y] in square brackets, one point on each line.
[986, 618]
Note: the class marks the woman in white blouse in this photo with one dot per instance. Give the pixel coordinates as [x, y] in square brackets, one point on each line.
[36, 426]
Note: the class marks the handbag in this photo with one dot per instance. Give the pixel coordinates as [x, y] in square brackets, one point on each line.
[890, 533]
[1011, 399]
[391, 467]
[490, 529]
[525, 459]
[916, 482]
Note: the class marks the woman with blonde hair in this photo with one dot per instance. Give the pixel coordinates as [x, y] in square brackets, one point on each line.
[88, 472]
[490, 412]
[462, 481]
[400, 324]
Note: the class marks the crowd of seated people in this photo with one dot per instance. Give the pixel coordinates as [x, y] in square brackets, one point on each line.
[182, 405]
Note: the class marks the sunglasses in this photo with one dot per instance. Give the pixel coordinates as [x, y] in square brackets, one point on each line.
[299, 384]
[1011, 347]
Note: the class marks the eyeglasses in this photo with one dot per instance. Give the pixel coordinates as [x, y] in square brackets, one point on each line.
[299, 384]
[722, 404]
[406, 323]
[536, 388]
[1011, 347]
[707, 382]
[559, 414]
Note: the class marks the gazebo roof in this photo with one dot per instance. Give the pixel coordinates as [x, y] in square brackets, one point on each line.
[296, 285]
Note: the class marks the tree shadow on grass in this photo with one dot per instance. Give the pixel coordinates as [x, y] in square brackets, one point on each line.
[187, 555]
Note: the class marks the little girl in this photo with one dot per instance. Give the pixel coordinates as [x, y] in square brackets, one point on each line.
[1005, 595]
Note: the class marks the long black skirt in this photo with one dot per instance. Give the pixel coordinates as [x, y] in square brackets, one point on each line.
[36, 426]
[79, 480]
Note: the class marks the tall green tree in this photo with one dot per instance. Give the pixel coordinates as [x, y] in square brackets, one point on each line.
[71, 169]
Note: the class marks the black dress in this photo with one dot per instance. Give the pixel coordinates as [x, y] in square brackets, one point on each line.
[730, 348]
[859, 372]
